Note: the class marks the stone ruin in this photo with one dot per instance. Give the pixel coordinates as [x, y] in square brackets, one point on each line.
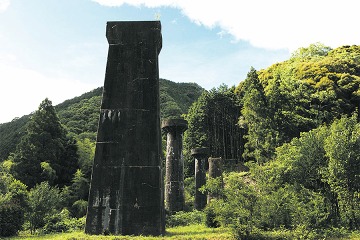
[126, 193]
[174, 166]
[200, 155]
[215, 171]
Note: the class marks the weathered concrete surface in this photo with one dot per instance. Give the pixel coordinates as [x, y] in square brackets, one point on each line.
[126, 193]
[215, 171]
[174, 175]
[200, 155]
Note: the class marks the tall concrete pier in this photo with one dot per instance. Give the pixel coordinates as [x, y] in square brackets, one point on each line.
[126, 193]
[215, 171]
[200, 155]
[174, 176]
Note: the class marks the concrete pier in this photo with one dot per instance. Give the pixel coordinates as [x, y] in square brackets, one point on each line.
[174, 175]
[200, 155]
[215, 171]
[126, 193]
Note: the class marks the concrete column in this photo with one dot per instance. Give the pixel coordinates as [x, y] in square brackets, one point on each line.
[174, 175]
[126, 193]
[215, 171]
[200, 155]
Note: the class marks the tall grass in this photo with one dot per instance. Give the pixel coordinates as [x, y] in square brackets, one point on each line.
[196, 232]
[182, 233]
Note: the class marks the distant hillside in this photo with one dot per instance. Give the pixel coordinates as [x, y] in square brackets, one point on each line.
[10, 135]
[314, 87]
[80, 114]
[176, 98]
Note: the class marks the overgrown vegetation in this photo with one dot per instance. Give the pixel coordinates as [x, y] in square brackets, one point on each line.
[80, 115]
[301, 131]
[295, 125]
[212, 121]
[180, 233]
[45, 177]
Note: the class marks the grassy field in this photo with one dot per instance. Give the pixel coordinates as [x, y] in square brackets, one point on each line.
[182, 233]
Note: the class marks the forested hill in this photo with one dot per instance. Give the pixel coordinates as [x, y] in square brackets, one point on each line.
[294, 125]
[80, 114]
[316, 86]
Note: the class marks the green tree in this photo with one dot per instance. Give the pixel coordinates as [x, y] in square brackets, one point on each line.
[316, 85]
[45, 150]
[212, 122]
[257, 119]
[11, 218]
[302, 160]
[343, 170]
[172, 103]
[10, 135]
[299, 164]
[322, 166]
[237, 206]
[317, 49]
[75, 196]
[13, 204]
[86, 151]
[43, 202]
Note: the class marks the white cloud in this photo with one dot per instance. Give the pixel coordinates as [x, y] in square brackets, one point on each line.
[22, 90]
[270, 24]
[4, 4]
[221, 34]
[8, 58]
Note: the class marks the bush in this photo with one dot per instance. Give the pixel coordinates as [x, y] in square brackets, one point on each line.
[43, 203]
[210, 219]
[189, 189]
[79, 208]
[11, 219]
[185, 218]
[62, 222]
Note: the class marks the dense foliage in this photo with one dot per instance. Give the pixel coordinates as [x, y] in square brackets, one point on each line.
[47, 159]
[295, 125]
[45, 153]
[212, 121]
[11, 219]
[300, 119]
[316, 85]
[80, 115]
[312, 184]
[176, 98]
[13, 203]
[10, 135]
[44, 201]
[258, 119]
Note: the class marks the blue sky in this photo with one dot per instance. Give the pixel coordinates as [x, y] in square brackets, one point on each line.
[58, 49]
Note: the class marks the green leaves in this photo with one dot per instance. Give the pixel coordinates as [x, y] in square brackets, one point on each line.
[313, 51]
[43, 202]
[212, 122]
[343, 170]
[325, 164]
[317, 85]
[11, 219]
[176, 98]
[261, 135]
[45, 153]
[86, 151]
